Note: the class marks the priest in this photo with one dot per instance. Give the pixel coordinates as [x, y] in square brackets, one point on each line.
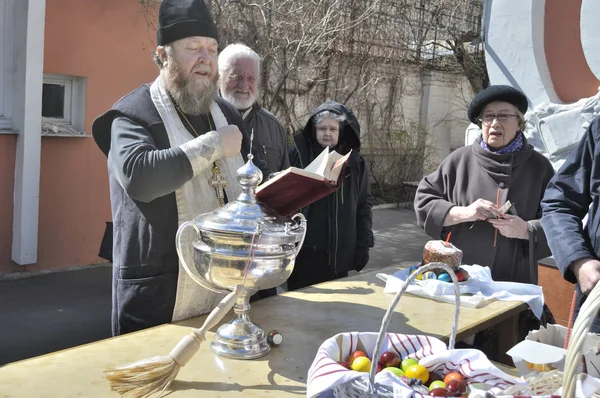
[173, 148]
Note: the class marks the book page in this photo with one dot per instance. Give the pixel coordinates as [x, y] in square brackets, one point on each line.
[319, 165]
[335, 165]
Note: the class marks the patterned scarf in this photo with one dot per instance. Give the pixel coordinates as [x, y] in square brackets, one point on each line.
[514, 146]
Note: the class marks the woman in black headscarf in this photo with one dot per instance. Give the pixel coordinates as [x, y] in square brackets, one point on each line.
[339, 225]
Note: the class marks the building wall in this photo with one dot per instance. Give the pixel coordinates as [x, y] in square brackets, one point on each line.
[437, 101]
[446, 101]
[8, 143]
[109, 43]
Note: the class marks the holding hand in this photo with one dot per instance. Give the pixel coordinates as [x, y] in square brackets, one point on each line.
[231, 137]
[587, 272]
[481, 209]
[511, 226]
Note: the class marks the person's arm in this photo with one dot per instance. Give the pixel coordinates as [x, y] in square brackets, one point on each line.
[364, 218]
[147, 173]
[435, 210]
[431, 204]
[285, 160]
[566, 202]
[538, 243]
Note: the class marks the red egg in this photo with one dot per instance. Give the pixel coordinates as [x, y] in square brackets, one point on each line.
[345, 364]
[389, 358]
[439, 392]
[456, 387]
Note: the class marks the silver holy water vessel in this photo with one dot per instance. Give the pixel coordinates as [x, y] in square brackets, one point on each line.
[243, 243]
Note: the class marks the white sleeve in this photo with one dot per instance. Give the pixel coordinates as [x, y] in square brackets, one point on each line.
[203, 151]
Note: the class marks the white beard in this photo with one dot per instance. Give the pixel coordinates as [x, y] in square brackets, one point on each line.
[239, 104]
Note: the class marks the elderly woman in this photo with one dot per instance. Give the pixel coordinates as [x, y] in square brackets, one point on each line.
[339, 225]
[464, 194]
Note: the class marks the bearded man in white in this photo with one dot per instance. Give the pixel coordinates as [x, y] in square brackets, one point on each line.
[173, 149]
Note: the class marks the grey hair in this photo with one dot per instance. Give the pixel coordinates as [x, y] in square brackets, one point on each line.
[329, 115]
[235, 52]
[168, 49]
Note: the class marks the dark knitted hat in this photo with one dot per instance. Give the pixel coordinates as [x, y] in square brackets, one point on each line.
[496, 93]
[178, 19]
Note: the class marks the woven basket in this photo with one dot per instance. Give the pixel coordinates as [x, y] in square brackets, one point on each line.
[366, 387]
[548, 383]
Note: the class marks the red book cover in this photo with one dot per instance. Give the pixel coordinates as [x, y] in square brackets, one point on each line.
[294, 188]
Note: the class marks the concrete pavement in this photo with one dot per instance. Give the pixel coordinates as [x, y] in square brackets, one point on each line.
[53, 311]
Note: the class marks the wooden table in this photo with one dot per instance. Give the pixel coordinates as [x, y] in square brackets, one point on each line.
[305, 318]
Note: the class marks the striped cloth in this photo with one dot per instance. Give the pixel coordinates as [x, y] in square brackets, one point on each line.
[325, 373]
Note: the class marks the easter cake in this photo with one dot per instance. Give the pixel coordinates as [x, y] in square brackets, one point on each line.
[439, 251]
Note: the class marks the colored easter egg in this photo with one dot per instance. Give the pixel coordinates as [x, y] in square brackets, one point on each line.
[361, 364]
[418, 372]
[444, 277]
[429, 275]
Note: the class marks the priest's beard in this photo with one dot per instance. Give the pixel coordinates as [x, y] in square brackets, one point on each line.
[193, 95]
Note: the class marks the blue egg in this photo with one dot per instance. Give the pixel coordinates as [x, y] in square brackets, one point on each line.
[413, 268]
[429, 275]
[444, 277]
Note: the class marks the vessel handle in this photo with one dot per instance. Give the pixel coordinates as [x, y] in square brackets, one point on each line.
[196, 278]
[303, 225]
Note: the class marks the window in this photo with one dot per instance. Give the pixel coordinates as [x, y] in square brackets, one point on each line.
[63, 103]
[6, 62]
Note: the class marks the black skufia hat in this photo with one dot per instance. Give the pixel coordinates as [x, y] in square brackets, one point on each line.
[496, 93]
[178, 19]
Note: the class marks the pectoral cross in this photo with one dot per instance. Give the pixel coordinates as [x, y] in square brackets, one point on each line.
[218, 183]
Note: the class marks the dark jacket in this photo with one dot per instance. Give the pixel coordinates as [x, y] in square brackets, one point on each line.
[145, 262]
[571, 194]
[340, 223]
[269, 136]
[470, 173]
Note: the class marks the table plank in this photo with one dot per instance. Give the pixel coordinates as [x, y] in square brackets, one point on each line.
[305, 318]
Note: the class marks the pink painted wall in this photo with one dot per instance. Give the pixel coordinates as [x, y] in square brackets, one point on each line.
[7, 182]
[108, 42]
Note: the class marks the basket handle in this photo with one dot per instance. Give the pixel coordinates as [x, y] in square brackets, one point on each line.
[582, 326]
[388, 315]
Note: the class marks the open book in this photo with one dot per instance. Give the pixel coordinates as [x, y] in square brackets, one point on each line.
[294, 188]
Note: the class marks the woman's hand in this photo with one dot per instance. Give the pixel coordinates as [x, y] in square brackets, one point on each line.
[481, 209]
[511, 226]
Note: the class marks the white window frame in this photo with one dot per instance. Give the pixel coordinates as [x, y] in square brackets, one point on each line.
[74, 101]
[7, 58]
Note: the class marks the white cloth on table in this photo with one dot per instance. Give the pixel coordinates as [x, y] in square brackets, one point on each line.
[479, 290]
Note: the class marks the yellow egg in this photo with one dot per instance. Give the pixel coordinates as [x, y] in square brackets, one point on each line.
[361, 364]
[417, 372]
